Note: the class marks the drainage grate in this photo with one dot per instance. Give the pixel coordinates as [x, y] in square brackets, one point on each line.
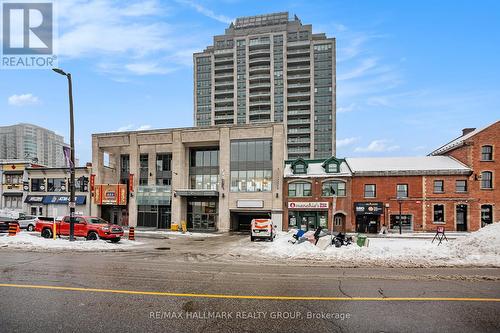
[162, 248]
[198, 240]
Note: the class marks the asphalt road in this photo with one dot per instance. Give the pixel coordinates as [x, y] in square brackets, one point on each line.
[135, 276]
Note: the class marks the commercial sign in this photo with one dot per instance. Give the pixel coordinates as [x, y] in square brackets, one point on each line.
[34, 199]
[305, 205]
[92, 182]
[250, 203]
[368, 208]
[114, 194]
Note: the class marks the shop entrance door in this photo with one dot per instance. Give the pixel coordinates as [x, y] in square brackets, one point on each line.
[461, 217]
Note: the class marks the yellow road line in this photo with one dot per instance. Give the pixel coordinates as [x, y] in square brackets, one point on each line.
[258, 297]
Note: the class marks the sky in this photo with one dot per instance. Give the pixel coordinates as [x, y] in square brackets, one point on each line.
[410, 74]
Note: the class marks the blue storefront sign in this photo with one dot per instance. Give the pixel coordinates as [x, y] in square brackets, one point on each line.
[63, 199]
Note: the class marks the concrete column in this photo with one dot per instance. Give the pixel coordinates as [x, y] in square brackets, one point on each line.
[178, 174]
[278, 165]
[97, 170]
[224, 173]
[134, 169]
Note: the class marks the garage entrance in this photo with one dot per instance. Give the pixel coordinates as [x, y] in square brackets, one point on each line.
[240, 221]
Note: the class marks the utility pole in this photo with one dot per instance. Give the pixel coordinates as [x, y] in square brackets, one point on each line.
[72, 156]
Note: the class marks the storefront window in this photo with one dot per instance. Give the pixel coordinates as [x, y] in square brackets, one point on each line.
[406, 222]
[438, 213]
[202, 215]
[486, 215]
[338, 186]
[307, 220]
[299, 189]
[154, 216]
[251, 165]
[56, 184]
[13, 202]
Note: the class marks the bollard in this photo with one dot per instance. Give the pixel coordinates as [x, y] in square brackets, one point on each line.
[184, 226]
[131, 233]
[13, 228]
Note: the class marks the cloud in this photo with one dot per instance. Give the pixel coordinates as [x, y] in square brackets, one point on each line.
[130, 127]
[344, 109]
[23, 100]
[377, 146]
[206, 12]
[361, 69]
[346, 142]
[125, 38]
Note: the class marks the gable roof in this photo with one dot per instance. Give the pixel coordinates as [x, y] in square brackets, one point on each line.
[455, 143]
[392, 166]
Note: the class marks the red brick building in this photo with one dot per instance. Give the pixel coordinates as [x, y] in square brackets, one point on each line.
[308, 197]
[456, 186]
[478, 149]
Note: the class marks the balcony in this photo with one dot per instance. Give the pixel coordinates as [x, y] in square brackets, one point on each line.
[259, 68]
[224, 67]
[296, 103]
[260, 76]
[298, 112]
[260, 85]
[257, 52]
[300, 121]
[259, 102]
[305, 94]
[305, 60]
[298, 85]
[292, 131]
[298, 140]
[302, 50]
[294, 67]
[257, 112]
[224, 108]
[224, 117]
[260, 93]
[260, 61]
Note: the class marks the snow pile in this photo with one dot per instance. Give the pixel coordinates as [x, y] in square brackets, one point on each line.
[34, 242]
[481, 248]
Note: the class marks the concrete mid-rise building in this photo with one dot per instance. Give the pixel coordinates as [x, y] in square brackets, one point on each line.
[269, 68]
[33, 143]
[214, 178]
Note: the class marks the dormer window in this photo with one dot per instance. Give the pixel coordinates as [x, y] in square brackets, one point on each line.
[299, 166]
[332, 168]
[331, 165]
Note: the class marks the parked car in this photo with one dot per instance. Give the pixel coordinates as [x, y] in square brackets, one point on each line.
[5, 222]
[27, 222]
[263, 229]
[90, 227]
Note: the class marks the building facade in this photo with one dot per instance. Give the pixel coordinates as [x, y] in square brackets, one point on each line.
[478, 149]
[12, 180]
[47, 191]
[268, 68]
[33, 143]
[308, 192]
[215, 179]
[416, 193]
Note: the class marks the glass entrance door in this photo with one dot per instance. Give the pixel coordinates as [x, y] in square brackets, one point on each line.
[461, 214]
[202, 215]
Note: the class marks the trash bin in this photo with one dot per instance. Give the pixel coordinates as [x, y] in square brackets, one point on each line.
[174, 227]
[361, 240]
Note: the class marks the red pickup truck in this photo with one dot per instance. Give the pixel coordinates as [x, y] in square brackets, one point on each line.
[90, 227]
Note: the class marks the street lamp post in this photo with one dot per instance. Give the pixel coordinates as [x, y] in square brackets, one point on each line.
[400, 202]
[334, 207]
[72, 156]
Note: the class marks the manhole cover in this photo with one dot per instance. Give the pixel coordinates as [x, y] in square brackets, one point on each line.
[162, 248]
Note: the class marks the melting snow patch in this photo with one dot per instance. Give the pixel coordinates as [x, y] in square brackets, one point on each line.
[34, 242]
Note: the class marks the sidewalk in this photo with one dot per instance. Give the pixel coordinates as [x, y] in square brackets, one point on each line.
[417, 235]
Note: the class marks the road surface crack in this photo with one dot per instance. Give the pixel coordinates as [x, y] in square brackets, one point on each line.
[342, 291]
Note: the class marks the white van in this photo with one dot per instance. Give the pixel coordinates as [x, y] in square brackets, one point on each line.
[262, 228]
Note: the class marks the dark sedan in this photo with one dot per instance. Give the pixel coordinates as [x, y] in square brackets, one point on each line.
[4, 223]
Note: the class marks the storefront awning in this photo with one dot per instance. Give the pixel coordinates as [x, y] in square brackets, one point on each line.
[63, 199]
[34, 199]
[13, 194]
[197, 193]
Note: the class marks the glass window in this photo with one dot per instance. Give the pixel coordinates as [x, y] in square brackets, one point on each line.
[56, 184]
[487, 153]
[486, 179]
[299, 189]
[299, 168]
[405, 222]
[338, 186]
[37, 185]
[251, 165]
[402, 191]
[438, 186]
[370, 191]
[438, 213]
[143, 169]
[332, 167]
[486, 215]
[461, 185]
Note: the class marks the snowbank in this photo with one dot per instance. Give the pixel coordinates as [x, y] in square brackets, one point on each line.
[34, 242]
[481, 248]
